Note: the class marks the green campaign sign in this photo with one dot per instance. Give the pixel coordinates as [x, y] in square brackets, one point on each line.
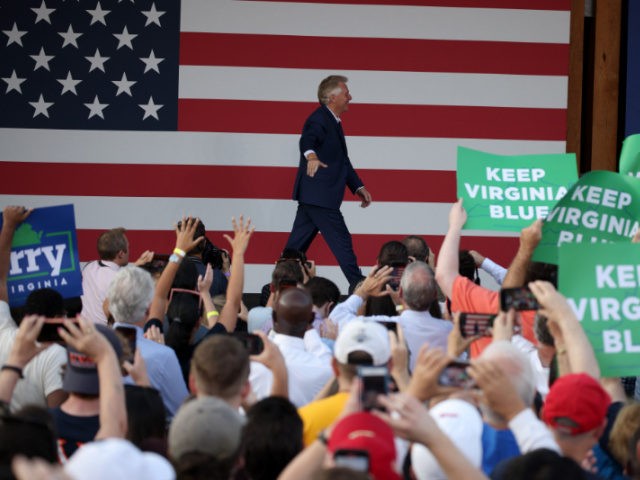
[507, 193]
[602, 284]
[630, 156]
[601, 207]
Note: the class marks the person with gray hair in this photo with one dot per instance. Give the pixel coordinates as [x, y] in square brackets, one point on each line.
[323, 172]
[518, 371]
[414, 298]
[129, 298]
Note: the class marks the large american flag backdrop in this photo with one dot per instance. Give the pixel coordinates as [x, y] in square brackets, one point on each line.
[138, 112]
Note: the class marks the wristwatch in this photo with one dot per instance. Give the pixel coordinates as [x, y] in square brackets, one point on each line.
[175, 258]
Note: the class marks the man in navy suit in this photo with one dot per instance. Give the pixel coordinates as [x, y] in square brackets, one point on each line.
[323, 172]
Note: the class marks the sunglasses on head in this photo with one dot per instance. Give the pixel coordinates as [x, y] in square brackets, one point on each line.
[184, 290]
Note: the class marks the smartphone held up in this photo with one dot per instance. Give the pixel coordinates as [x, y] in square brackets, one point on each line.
[252, 342]
[374, 381]
[455, 375]
[519, 298]
[476, 324]
[50, 330]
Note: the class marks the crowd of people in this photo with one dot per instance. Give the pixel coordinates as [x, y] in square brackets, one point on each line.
[163, 373]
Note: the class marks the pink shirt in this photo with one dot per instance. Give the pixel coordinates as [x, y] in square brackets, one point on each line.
[96, 278]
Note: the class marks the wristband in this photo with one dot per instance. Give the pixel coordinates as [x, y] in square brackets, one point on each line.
[14, 369]
[212, 313]
[399, 308]
[179, 251]
[322, 438]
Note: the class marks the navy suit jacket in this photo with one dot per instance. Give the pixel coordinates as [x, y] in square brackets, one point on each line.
[322, 134]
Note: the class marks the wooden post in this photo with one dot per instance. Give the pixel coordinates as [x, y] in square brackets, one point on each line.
[606, 85]
[574, 100]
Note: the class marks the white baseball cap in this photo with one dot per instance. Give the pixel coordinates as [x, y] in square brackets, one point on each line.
[116, 458]
[363, 336]
[462, 423]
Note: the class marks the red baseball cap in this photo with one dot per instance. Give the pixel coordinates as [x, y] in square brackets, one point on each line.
[364, 431]
[576, 404]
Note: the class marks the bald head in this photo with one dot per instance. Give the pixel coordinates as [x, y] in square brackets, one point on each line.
[293, 312]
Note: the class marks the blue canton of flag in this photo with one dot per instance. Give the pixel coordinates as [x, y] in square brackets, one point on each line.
[89, 64]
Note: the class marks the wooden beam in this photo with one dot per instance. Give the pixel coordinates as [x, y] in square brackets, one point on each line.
[574, 100]
[606, 68]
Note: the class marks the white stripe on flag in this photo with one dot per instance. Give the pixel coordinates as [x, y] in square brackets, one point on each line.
[396, 88]
[161, 213]
[242, 149]
[375, 21]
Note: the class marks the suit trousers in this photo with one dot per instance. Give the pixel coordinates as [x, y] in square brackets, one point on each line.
[310, 220]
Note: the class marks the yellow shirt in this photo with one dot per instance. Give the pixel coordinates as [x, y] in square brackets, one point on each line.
[316, 416]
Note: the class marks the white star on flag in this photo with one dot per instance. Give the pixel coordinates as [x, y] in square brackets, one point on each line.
[98, 14]
[125, 38]
[97, 61]
[41, 107]
[15, 35]
[42, 13]
[153, 15]
[68, 84]
[124, 85]
[14, 82]
[95, 108]
[42, 60]
[70, 37]
[150, 109]
[151, 62]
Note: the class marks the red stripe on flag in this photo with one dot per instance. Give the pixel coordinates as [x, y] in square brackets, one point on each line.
[196, 181]
[381, 54]
[560, 5]
[265, 247]
[444, 121]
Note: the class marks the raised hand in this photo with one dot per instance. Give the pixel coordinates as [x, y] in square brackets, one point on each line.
[25, 346]
[456, 343]
[530, 236]
[146, 257]
[372, 284]
[457, 215]
[241, 235]
[184, 234]
[424, 382]
[86, 338]
[204, 282]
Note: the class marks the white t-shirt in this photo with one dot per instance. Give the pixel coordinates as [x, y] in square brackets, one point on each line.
[42, 375]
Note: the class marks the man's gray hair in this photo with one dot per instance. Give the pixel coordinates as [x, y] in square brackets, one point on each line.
[330, 86]
[130, 294]
[418, 286]
[516, 366]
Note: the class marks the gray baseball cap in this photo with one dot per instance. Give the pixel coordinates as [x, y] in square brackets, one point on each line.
[205, 425]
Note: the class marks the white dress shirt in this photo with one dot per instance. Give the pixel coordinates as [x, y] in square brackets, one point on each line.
[418, 327]
[308, 364]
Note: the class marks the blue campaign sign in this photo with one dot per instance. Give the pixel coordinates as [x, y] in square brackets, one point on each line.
[44, 254]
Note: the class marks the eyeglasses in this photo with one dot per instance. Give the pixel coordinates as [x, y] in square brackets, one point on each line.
[184, 290]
